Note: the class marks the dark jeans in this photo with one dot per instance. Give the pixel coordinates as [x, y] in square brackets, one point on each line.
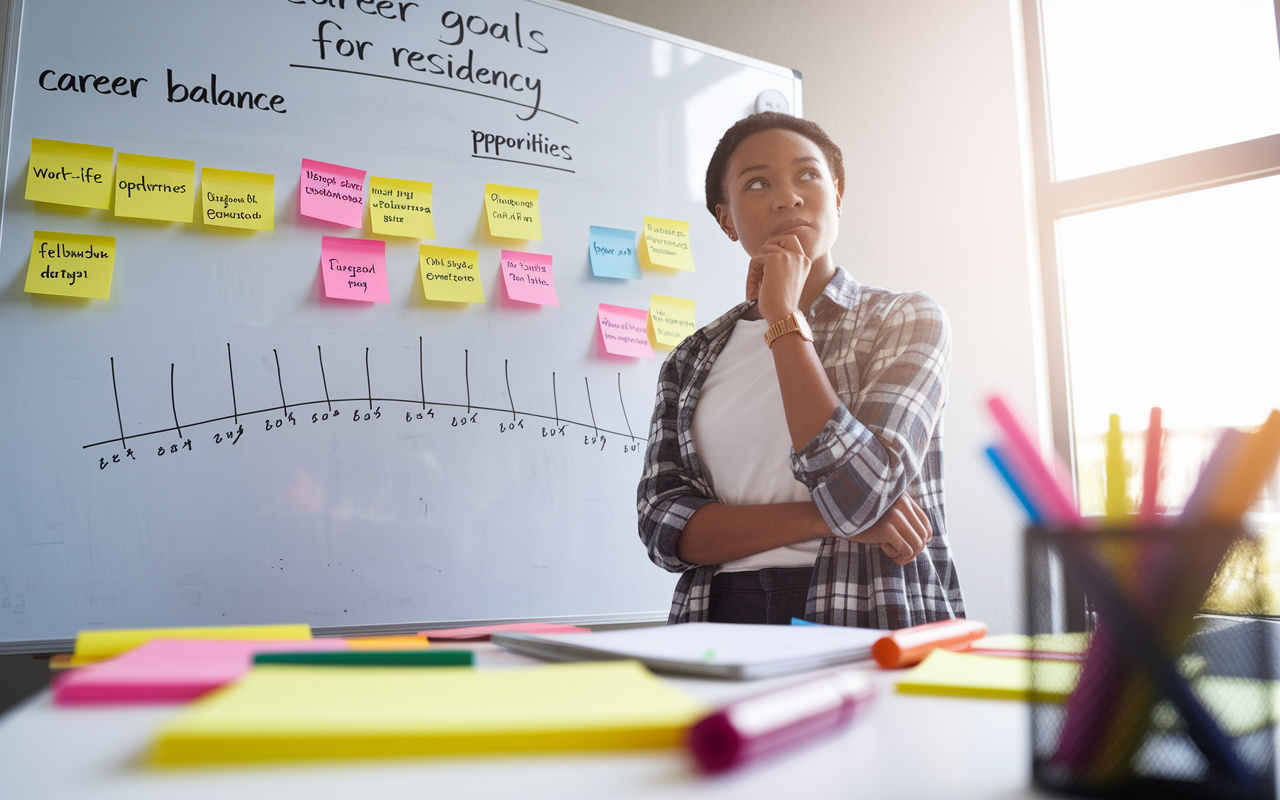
[762, 597]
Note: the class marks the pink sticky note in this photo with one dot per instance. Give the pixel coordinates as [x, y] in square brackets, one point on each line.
[625, 331]
[355, 269]
[170, 670]
[482, 632]
[528, 278]
[332, 193]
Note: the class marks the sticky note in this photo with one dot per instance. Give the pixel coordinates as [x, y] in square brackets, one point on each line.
[354, 269]
[280, 712]
[613, 253]
[672, 319]
[69, 173]
[625, 331]
[529, 278]
[96, 645]
[450, 274]
[666, 243]
[238, 199]
[172, 670]
[151, 187]
[71, 264]
[401, 208]
[512, 212]
[332, 193]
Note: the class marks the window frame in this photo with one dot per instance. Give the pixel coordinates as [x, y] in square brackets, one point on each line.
[1055, 200]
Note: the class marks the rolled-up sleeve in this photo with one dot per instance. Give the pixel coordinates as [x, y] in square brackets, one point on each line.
[668, 493]
[866, 456]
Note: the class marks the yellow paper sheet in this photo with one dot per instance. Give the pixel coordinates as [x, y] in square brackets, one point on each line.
[151, 187]
[408, 641]
[512, 212]
[401, 208]
[963, 675]
[666, 243]
[234, 199]
[450, 274]
[289, 712]
[96, 645]
[70, 174]
[670, 319]
[71, 264]
[1044, 642]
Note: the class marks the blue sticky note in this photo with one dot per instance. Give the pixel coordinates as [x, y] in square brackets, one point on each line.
[613, 253]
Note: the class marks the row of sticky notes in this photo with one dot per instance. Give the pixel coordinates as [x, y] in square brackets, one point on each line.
[629, 331]
[148, 187]
[615, 253]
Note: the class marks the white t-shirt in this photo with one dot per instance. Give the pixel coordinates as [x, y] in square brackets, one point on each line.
[741, 437]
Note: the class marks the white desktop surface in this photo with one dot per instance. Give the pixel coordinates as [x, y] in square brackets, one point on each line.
[904, 746]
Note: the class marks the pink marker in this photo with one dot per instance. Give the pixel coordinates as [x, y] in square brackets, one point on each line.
[1044, 484]
[760, 725]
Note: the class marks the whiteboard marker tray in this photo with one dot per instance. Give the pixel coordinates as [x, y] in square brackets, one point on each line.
[707, 649]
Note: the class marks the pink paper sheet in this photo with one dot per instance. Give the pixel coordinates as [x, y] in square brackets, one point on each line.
[625, 331]
[354, 269]
[528, 277]
[332, 193]
[170, 670]
[482, 632]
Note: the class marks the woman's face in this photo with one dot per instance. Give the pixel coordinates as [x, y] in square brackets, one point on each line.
[778, 182]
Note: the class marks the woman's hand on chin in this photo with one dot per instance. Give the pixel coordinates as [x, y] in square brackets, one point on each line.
[776, 276]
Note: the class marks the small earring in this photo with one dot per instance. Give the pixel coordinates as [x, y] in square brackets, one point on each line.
[733, 237]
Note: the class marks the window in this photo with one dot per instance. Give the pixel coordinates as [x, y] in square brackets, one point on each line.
[1156, 126]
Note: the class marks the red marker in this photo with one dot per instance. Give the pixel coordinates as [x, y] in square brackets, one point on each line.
[774, 721]
[908, 646]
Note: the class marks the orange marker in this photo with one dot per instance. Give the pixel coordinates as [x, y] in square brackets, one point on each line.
[909, 646]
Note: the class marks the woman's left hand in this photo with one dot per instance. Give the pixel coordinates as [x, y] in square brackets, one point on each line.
[776, 276]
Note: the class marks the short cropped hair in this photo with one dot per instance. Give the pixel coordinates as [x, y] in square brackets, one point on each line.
[765, 121]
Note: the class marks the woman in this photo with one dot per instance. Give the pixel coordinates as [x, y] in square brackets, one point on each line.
[794, 464]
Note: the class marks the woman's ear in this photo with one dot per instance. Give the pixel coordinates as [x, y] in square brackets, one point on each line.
[839, 195]
[726, 222]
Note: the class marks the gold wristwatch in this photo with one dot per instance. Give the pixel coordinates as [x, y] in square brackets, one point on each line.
[792, 323]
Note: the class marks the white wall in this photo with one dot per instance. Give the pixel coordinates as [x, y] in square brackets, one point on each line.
[926, 99]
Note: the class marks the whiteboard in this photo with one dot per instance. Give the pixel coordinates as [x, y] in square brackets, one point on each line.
[311, 490]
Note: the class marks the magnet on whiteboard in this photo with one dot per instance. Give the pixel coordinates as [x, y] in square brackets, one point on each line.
[772, 100]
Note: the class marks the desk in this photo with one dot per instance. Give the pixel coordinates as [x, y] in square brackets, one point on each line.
[905, 747]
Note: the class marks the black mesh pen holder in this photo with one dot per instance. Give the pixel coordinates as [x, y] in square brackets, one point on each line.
[1153, 701]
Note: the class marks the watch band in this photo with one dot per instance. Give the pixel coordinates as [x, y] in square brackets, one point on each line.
[792, 323]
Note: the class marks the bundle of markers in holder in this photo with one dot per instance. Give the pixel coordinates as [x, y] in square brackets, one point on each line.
[1159, 708]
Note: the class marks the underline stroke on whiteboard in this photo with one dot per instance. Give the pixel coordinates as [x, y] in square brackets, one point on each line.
[367, 398]
[535, 109]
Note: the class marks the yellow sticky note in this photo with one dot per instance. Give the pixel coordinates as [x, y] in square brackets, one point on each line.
[512, 212]
[236, 199]
[450, 274]
[71, 264]
[280, 713]
[401, 208]
[69, 173]
[96, 645]
[671, 319]
[666, 243]
[151, 187]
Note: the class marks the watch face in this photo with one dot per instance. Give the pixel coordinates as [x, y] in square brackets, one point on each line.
[803, 325]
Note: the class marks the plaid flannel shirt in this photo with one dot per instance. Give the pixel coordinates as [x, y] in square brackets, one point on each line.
[886, 355]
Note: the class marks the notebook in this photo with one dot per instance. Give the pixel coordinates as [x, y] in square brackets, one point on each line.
[707, 649]
[292, 713]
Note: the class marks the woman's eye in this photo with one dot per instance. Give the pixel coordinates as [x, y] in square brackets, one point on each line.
[758, 183]
[811, 175]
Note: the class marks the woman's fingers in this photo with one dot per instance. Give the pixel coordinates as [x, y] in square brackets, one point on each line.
[917, 514]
